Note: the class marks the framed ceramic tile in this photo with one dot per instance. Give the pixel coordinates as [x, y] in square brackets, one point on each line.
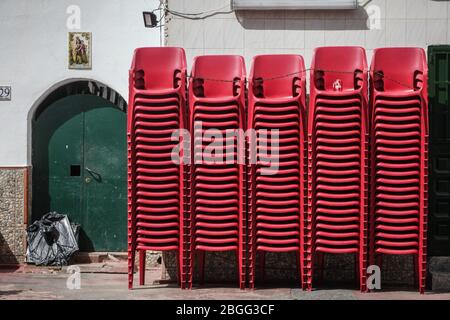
[80, 50]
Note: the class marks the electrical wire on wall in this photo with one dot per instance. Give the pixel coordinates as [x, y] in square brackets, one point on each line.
[152, 21]
[198, 15]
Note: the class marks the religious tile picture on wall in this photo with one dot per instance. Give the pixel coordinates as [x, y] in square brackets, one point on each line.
[80, 50]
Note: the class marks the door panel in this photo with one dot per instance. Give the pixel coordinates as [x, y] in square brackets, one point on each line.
[439, 91]
[105, 176]
[73, 135]
[58, 145]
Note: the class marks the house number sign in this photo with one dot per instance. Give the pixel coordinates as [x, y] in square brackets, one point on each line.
[5, 93]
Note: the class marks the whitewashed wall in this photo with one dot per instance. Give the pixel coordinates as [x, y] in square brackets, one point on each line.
[402, 23]
[33, 43]
[33, 56]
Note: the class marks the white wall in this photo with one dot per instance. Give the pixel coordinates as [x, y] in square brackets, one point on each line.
[248, 33]
[33, 43]
[33, 56]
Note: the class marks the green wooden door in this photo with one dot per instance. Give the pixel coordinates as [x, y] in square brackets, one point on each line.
[79, 168]
[439, 193]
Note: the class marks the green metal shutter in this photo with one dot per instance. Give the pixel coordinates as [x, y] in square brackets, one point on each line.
[439, 91]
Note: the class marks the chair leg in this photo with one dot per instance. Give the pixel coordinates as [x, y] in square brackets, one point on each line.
[421, 272]
[142, 267]
[131, 262]
[252, 268]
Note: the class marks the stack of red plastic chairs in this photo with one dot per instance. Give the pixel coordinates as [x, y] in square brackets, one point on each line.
[216, 106]
[276, 162]
[399, 155]
[155, 182]
[292, 193]
[337, 159]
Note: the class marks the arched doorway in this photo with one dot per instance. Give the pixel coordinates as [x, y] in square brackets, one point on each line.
[79, 156]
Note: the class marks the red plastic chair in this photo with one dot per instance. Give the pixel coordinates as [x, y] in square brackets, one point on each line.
[399, 195]
[217, 100]
[156, 217]
[337, 160]
[276, 100]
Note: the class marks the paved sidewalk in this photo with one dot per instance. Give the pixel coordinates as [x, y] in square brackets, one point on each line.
[47, 283]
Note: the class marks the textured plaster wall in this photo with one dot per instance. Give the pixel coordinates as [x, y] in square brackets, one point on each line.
[12, 215]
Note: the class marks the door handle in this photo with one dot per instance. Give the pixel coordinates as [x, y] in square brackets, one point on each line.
[97, 176]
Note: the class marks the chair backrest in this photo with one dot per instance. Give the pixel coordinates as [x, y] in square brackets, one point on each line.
[339, 68]
[217, 75]
[158, 68]
[279, 75]
[399, 69]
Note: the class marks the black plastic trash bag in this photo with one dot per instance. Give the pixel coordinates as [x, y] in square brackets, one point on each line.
[52, 240]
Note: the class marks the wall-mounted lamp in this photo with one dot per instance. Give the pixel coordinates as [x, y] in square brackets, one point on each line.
[150, 19]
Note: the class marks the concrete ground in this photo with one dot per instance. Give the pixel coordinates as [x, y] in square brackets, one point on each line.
[109, 281]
